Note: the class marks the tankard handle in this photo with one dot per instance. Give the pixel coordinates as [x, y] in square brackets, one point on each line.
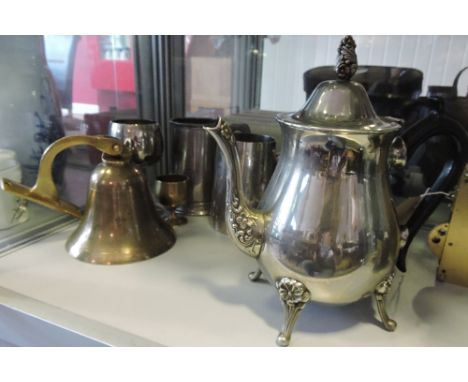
[415, 135]
[44, 191]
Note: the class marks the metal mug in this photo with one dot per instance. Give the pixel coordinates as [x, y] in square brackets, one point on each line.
[257, 157]
[193, 155]
[143, 137]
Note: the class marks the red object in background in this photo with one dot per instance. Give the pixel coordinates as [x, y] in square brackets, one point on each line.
[85, 60]
[114, 75]
[104, 82]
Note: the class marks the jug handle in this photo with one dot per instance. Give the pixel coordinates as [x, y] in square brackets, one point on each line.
[44, 190]
[432, 125]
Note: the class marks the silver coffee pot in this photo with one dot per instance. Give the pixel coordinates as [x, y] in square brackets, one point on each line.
[326, 229]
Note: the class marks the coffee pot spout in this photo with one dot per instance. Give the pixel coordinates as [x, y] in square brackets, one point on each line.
[245, 225]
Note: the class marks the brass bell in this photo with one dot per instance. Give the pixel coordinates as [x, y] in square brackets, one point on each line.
[120, 223]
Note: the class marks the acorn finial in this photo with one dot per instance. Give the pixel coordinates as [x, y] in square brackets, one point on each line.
[346, 64]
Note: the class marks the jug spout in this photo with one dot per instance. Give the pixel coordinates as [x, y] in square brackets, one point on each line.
[245, 225]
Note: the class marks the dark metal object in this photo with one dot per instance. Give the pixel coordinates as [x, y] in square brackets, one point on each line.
[172, 190]
[346, 64]
[193, 152]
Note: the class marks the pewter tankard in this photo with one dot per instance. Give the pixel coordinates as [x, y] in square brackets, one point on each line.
[193, 155]
[326, 229]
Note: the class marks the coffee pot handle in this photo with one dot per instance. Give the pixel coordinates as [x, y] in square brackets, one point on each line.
[44, 191]
[432, 125]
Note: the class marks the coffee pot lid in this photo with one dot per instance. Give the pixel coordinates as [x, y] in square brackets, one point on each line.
[342, 104]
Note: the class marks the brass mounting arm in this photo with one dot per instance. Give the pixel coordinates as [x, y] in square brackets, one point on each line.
[44, 191]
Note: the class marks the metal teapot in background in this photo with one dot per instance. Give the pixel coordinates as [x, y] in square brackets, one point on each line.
[120, 223]
[326, 229]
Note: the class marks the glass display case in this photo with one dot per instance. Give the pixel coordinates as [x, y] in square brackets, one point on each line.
[61, 86]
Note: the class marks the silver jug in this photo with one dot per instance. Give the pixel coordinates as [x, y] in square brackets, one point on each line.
[326, 229]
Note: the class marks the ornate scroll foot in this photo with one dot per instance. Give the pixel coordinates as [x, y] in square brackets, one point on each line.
[255, 276]
[294, 295]
[380, 292]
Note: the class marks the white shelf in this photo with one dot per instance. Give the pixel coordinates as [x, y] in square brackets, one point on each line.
[198, 294]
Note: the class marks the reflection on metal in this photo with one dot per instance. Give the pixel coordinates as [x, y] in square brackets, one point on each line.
[140, 136]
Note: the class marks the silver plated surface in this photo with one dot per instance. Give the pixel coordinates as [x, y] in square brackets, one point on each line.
[141, 137]
[326, 218]
[326, 228]
[380, 293]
